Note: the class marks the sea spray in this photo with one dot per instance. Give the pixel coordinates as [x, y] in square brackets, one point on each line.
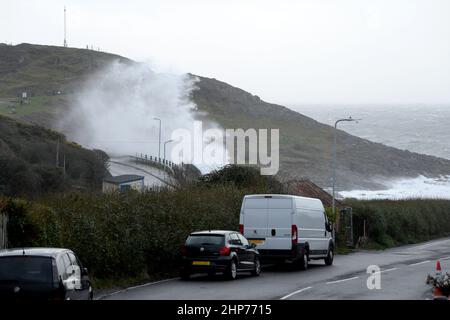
[115, 110]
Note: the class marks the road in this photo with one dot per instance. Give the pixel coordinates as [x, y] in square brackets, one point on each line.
[403, 273]
[154, 177]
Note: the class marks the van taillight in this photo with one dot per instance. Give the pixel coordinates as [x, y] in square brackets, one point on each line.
[294, 234]
[241, 229]
[224, 251]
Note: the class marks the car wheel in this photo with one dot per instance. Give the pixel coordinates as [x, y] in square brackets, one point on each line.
[330, 256]
[231, 272]
[257, 271]
[303, 262]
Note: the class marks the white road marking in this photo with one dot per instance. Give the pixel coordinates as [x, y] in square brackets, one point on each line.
[342, 280]
[387, 270]
[135, 287]
[432, 243]
[294, 293]
[417, 263]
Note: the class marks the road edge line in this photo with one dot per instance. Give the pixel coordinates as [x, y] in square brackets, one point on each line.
[134, 287]
[294, 293]
[418, 263]
[342, 280]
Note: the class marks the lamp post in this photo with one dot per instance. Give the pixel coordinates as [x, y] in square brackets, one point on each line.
[165, 143]
[349, 119]
[159, 140]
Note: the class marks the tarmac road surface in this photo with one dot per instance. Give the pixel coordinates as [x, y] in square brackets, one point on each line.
[402, 275]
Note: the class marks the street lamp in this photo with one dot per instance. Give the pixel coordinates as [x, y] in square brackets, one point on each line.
[165, 143]
[159, 140]
[349, 119]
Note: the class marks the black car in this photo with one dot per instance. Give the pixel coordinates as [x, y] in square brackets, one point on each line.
[219, 251]
[43, 273]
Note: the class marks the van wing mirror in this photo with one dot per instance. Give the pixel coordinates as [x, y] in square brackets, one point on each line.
[328, 226]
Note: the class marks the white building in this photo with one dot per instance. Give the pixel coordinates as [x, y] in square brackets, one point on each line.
[123, 183]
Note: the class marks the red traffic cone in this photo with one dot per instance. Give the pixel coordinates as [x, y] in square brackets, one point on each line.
[438, 266]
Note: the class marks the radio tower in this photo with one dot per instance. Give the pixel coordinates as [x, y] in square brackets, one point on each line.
[65, 31]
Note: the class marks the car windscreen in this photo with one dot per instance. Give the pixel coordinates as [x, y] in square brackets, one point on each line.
[205, 240]
[26, 269]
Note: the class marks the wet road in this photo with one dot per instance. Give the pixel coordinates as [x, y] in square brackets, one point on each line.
[402, 275]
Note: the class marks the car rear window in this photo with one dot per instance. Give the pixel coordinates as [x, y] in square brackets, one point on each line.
[204, 240]
[26, 269]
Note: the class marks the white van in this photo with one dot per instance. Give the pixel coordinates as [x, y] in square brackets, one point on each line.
[286, 227]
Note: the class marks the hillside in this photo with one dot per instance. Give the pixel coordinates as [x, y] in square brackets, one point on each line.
[305, 144]
[28, 161]
[45, 70]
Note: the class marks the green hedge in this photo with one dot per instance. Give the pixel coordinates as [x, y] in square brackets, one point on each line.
[132, 235]
[124, 235]
[395, 222]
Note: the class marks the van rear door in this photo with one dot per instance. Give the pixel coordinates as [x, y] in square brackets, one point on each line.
[254, 219]
[279, 223]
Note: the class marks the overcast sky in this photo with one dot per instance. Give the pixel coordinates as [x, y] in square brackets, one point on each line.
[291, 52]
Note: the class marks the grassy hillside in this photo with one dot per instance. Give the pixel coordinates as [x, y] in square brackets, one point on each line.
[45, 70]
[305, 144]
[28, 161]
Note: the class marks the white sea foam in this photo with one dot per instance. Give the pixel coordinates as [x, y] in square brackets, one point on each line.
[420, 187]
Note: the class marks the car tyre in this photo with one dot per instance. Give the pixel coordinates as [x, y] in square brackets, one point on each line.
[303, 261]
[330, 256]
[257, 271]
[231, 271]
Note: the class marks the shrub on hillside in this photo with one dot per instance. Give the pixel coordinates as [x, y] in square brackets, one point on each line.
[28, 161]
[390, 222]
[243, 177]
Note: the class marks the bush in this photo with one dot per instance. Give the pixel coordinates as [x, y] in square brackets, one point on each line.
[126, 234]
[21, 230]
[28, 161]
[243, 177]
[395, 222]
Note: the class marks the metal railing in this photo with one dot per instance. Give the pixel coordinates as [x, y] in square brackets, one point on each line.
[154, 160]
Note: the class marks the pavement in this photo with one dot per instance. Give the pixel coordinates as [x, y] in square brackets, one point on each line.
[401, 274]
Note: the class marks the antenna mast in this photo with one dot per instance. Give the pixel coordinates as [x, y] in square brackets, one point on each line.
[65, 30]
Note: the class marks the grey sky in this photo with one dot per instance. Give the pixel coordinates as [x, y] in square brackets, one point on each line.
[316, 51]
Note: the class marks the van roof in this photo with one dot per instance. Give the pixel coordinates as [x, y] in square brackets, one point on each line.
[278, 196]
[304, 202]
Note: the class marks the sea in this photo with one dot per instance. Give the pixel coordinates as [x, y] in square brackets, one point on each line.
[418, 128]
